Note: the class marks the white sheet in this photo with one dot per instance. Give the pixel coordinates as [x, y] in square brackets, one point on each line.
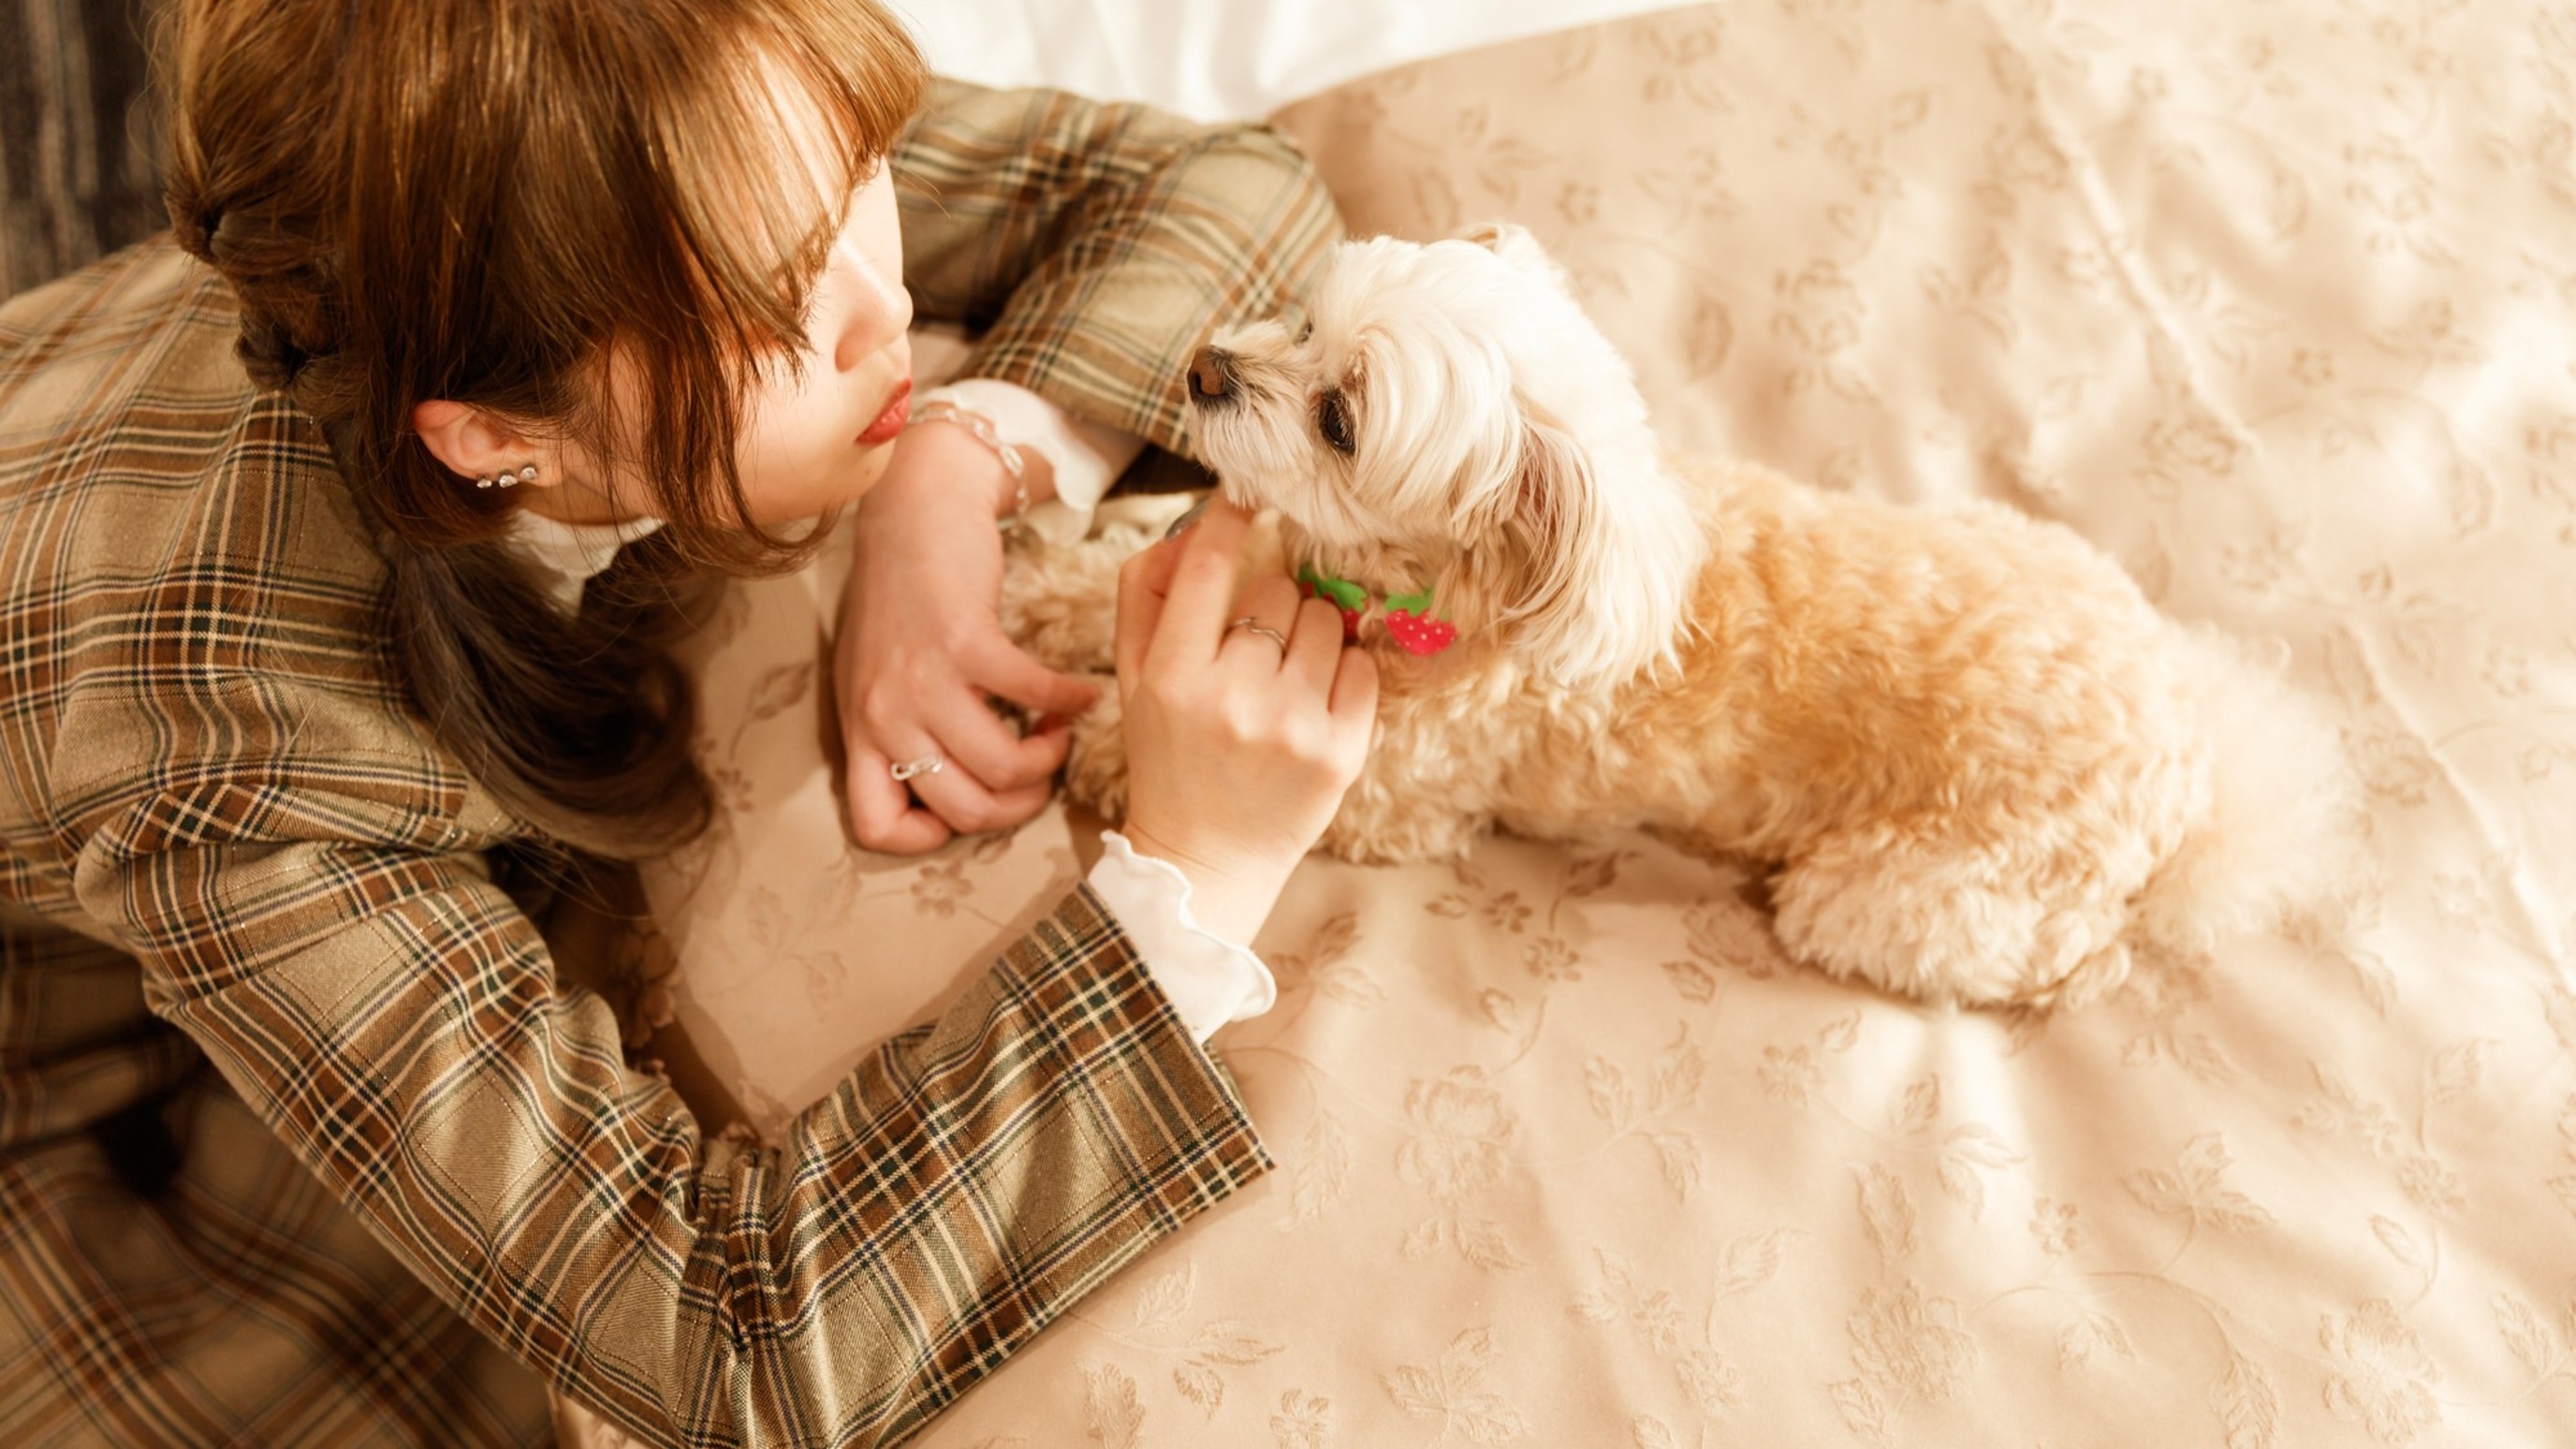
[1220, 59]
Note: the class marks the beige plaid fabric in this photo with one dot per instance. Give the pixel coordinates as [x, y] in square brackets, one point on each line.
[418, 1163]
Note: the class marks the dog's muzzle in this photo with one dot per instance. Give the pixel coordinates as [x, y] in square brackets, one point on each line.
[1211, 377]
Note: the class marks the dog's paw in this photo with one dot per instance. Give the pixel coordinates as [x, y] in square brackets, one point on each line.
[1946, 923]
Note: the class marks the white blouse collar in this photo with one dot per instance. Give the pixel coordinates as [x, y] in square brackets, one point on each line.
[565, 556]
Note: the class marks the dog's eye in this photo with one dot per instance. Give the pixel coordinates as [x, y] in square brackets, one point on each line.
[1305, 334]
[1333, 420]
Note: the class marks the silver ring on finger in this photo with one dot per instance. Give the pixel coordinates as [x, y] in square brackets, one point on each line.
[1251, 625]
[930, 764]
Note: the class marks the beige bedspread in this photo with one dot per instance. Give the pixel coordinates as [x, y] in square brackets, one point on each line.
[2277, 302]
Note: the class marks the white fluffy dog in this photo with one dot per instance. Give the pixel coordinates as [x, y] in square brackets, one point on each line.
[1983, 765]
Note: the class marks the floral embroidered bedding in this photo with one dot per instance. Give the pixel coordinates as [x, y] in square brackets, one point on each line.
[2278, 305]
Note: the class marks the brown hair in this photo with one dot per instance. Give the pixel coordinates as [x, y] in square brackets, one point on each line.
[486, 201]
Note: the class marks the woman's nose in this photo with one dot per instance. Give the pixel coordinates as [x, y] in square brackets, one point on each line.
[879, 311]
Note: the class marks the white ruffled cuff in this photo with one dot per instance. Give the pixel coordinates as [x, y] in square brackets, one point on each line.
[1085, 457]
[1209, 979]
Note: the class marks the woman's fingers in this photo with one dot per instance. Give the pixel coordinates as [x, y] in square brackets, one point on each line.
[1005, 670]
[1142, 582]
[1354, 698]
[1271, 602]
[882, 812]
[987, 780]
[976, 742]
[1190, 625]
[1315, 646]
[966, 805]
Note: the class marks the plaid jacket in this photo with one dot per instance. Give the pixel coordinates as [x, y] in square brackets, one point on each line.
[301, 1140]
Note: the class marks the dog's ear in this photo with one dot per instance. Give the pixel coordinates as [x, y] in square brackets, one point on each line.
[1604, 583]
[1513, 243]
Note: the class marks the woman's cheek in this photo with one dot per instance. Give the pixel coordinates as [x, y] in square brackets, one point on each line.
[789, 468]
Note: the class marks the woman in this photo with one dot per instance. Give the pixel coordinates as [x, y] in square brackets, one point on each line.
[307, 665]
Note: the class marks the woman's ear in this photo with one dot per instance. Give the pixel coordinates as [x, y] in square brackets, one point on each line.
[475, 445]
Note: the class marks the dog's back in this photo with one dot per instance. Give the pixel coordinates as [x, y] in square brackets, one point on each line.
[1972, 715]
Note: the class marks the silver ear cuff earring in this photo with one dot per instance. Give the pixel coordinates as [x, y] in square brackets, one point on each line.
[507, 479]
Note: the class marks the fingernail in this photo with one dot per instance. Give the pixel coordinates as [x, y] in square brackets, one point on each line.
[1182, 524]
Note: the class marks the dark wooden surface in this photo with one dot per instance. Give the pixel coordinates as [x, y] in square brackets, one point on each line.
[81, 139]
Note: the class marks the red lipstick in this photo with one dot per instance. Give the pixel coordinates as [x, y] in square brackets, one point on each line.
[891, 421]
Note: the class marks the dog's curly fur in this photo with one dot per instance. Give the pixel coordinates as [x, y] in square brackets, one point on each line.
[1985, 768]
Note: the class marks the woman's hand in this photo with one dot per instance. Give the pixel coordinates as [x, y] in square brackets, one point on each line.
[921, 648]
[1239, 749]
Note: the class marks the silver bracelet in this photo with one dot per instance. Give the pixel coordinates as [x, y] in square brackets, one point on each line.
[943, 410]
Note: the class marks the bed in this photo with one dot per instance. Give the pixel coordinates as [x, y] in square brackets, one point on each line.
[2277, 303]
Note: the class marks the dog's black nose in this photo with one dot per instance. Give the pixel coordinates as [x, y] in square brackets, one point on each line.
[1211, 381]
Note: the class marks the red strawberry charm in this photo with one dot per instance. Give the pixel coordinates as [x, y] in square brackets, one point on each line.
[1409, 623]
